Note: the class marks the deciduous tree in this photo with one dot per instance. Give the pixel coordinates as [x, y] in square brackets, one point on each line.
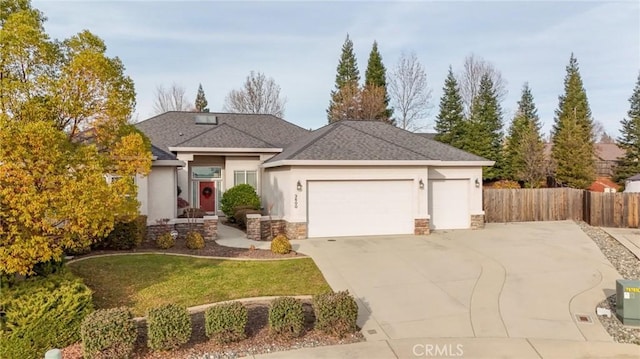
[629, 139]
[573, 151]
[172, 98]
[469, 80]
[260, 95]
[409, 92]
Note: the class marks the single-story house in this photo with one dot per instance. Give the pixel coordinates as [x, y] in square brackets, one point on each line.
[345, 179]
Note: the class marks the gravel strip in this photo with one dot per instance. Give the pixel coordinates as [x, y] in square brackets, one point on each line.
[628, 265]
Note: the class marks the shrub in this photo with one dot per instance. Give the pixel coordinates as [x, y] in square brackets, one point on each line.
[194, 240]
[286, 317]
[108, 333]
[42, 313]
[240, 195]
[168, 327]
[226, 322]
[240, 215]
[336, 313]
[280, 244]
[165, 241]
[504, 184]
[125, 234]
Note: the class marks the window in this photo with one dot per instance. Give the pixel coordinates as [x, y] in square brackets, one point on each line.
[206, 172]
[248, 177]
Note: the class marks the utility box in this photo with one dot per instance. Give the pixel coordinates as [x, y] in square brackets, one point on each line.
[628, 301]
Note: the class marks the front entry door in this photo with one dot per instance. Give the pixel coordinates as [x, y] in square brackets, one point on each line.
[208, 196]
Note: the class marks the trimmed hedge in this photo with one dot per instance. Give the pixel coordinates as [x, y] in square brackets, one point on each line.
[168, 327]
[240, 195]
[226, 322]
[42, 313]
[108, 333]
[280, 244]
[125, 234]
[286, 317]
[336, 313]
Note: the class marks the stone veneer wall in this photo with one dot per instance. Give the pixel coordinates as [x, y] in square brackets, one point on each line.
[266, 226]
[254, 231]
[210, 228]
[295, 230]
[477, 221]
[207, 227]
[421, 226]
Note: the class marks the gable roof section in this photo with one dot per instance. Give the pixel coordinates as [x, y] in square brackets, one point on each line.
[233, 130]
[370, 141]
[159, 154]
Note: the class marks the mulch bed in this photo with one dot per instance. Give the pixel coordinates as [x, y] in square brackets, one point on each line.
[258, 341]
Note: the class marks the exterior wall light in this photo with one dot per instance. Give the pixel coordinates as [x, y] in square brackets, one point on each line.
[299, 186]
[477, 183]
[421, 184]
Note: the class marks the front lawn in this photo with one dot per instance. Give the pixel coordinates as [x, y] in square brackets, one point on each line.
[147, 280]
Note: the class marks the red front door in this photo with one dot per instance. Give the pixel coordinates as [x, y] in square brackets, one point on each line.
[208, 196]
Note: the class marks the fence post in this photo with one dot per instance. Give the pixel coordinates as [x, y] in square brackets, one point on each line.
[53, 354]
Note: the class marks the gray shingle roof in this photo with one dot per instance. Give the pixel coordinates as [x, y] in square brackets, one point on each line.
[634, 178]
[179, 129]
[370, 140]
[162, 155]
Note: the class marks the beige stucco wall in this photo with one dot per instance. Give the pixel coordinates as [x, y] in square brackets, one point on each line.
[468, 173]
[143, 193]
[161, 184]
[240, 163]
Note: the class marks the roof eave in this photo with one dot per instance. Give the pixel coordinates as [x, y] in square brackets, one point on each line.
[434, 163]
[168, 163]
[224, 149]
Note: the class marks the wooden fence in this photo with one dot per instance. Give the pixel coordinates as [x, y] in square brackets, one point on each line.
[556, 204]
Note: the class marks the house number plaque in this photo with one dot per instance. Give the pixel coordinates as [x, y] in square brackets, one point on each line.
[295, 201]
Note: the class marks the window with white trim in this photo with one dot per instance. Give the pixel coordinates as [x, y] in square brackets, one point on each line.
[245, 177]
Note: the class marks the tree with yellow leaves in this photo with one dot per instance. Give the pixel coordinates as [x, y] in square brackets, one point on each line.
[65, 110]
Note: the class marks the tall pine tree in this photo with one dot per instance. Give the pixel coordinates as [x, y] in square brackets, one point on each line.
[347, 74]
[524, 149]
[201, 100]
[483, 131]
[573, 153]
[376, 75]
[629, 139]
[450, 120]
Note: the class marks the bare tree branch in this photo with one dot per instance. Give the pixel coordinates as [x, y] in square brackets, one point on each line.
[171, 99]
[409, 93]
[259, 95]
[469, 80]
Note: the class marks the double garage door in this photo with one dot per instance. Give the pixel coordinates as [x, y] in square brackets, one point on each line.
[357, 208]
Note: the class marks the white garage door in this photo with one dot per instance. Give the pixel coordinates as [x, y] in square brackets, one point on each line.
[449, 204]
[356, 208]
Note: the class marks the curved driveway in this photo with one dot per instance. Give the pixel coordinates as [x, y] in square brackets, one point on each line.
[521, 280]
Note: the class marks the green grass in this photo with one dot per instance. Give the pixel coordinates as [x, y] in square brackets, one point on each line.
[144, 281]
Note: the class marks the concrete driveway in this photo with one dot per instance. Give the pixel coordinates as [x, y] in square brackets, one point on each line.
[524, 280]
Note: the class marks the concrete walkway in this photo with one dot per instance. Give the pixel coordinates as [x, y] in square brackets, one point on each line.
[233, 237]
[628, 237]
[510, 290]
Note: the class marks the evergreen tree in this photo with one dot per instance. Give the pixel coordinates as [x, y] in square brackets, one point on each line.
[201, 100]
[347, 74]
[450, 120]
[524, 149]
[629, 139]
[376, 75]
[483, 133]
[574, 160]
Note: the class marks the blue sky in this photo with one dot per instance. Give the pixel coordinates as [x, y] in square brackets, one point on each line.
[299, 43]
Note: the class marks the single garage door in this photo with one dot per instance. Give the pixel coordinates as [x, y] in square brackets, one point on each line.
[356, 208]
[449, 204]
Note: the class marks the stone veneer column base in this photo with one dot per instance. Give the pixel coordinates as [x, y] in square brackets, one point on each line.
[210, 225]
[296, 230]
[253, 227]
[477, 221]
[421, 226]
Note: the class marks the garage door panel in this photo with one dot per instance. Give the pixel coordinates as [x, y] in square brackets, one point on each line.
[449, 204]
[355, 208]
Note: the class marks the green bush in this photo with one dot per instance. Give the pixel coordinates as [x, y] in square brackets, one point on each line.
[125, 234]
[108, 333]
[286, 317]
[168, 327]
[165, 241]
[226, 322]
[280, 244]
[194, 240]
[336, 313]
[42, 313]
[240, 215]
[240, 195]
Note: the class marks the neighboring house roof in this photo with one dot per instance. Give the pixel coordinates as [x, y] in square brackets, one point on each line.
[370, 141]
[230, 130]
[634, 178]
[609, 151]
[601, 183]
